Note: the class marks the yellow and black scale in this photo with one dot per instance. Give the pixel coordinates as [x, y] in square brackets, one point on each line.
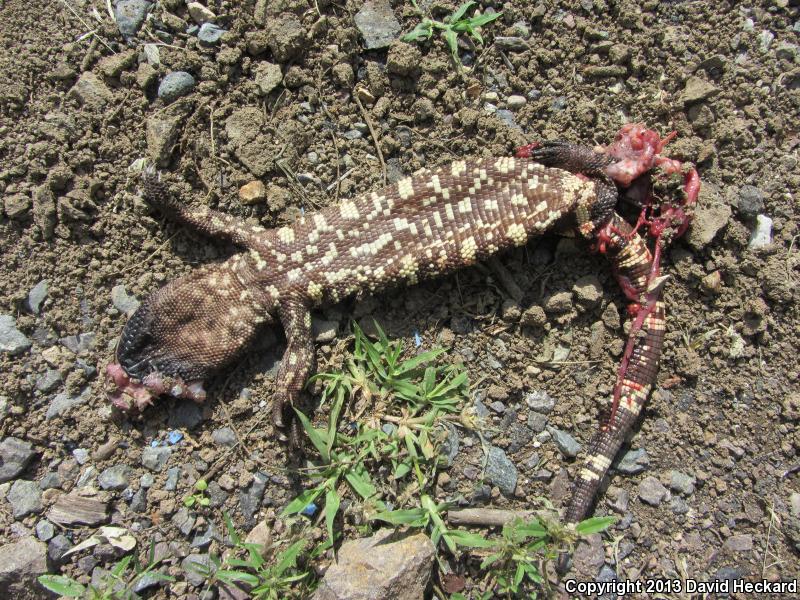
[425, 225]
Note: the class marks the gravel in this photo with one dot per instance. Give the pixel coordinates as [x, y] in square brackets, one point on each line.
[130, 15]
[37, 296]
[652, 492]
[156, 458]
[567, 445]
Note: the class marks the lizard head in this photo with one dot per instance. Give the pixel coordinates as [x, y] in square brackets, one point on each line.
[183, 333]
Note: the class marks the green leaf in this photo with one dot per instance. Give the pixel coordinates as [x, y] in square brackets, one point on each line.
[451, 37]
[120, 567]
[303, 500]
[204, 501]
[361, 484]
[288, 557]
[518, 575]
[412, 363]
[484, 19]
[410, 516]
[406, 390]
[156, 576]
[201, 485]
[234, 535]
[230, 576]
[594, 525]
[332, 502]
[461, 11]
[402, 469]
[531, 529]
[490, 560]
[469, 539]
[315, 435]
[189, 501]
[65, 586]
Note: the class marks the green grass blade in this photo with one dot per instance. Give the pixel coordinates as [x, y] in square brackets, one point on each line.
[332, 502]
[288, 557]
[408, 516]
[233, 576]
[361, 483]
[469, 539]
[315, 435]
[303, 500]
[64, 586]
[461, 11]
[594, 525]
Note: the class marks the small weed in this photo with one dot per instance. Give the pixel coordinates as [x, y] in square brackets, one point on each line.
[453, 25]
[430, 516]
[268, 573]
[410, 395]
[523, 546]
[408, 398]
[199, 497]
[509, 561]
[118, 584]
[334, 466]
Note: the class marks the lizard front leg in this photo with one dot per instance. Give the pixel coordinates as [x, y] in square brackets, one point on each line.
[299, 361]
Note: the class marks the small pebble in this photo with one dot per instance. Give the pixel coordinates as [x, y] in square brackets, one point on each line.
[12, 340]
[200, 13]
[210, 33]
[174, 85]
[253, 192]
[515, 101]
[37, 296]
[652, 492]
[762, 233]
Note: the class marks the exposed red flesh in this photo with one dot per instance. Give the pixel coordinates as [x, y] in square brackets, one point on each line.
[638, 150]
[134, 396]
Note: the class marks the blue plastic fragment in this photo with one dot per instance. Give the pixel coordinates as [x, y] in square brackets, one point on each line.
[155, 443]
[417, 339]
[173, 437]
[310, 510]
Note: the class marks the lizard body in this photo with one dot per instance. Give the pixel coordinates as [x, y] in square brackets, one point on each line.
[431, 223]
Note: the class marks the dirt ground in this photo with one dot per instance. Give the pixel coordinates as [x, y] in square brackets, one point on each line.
[290, 96]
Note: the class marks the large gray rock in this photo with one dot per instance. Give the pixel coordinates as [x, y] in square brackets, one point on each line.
[25, 497]
[386, 565]
[710, 217]
[15, 454]
[20, 563]
[500, 471]
[130, 15]
[377, 24]
[12, 340]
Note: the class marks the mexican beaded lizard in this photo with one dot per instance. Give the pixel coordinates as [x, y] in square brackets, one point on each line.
[431, 223]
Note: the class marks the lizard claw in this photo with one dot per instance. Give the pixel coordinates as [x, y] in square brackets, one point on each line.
[278, 410]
